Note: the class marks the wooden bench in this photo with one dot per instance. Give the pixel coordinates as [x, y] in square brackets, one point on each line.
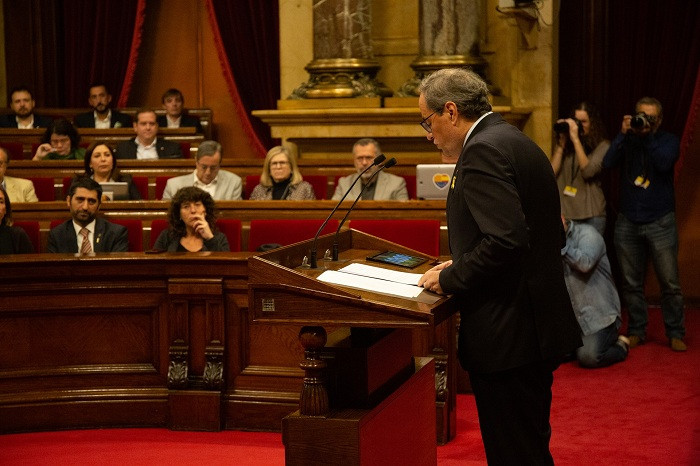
[245, 211]
[204, 114]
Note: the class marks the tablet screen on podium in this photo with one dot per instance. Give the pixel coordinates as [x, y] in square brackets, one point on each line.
[398, 258]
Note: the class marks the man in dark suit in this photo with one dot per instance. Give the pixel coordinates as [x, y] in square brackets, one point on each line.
[175, 116]
[505, 236]
[85, 233]
[102, 116]
[146, 145]
[23, 116]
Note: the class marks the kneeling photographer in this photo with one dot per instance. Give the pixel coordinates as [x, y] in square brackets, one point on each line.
[646, 223]
[577, 162]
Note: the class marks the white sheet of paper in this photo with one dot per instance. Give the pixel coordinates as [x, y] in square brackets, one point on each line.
[370, 284]
[383, 274]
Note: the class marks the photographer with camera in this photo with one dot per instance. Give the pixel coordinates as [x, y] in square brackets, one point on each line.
[646, 222]
[577, 163]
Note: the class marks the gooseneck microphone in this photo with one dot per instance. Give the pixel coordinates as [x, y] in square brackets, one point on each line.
[312, 261]
[390, 163]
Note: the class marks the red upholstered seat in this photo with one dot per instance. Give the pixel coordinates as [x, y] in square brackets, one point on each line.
[141, 183]
[44, 189]
[15, 149]
[161, 181]
[251, 181]
[411, 186]
[31, 227]
[421, 235]
[135, 232]
[185, 149]
[285, 231]
[229, 226]
[320, 185]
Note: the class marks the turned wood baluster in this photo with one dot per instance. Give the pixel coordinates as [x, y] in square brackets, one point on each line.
[314, 394]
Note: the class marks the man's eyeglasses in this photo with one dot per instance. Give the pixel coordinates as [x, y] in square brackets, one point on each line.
[209, 167]
[424, 122]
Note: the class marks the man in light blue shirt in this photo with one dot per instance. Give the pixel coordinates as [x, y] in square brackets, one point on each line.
[593, 296]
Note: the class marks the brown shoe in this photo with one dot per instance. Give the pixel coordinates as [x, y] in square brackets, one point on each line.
[624, 342]
[635, 340]
[678, 345]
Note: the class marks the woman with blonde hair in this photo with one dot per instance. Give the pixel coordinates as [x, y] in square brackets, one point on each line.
[281, 179]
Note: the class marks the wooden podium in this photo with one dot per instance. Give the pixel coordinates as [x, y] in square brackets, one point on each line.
[366, 399]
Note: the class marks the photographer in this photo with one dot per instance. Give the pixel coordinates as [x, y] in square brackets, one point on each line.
[577, 162]
[646, 223]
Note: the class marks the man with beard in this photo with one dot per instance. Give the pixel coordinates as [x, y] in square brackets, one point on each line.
[22, 104]
[85, 233]
[384, 186]
[101, 116]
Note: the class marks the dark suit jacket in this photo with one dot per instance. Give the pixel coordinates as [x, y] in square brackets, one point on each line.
[166, 242]
[108, 237]
[505, 236]
[166, 149]
[9, 121]
[186, 121]
[118, 120]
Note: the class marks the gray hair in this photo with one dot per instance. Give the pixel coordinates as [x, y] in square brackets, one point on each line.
[650, 101]
[366, 142]
[207, 148]
[463, 87]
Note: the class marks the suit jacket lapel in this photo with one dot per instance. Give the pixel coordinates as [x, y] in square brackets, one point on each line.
[99, 235]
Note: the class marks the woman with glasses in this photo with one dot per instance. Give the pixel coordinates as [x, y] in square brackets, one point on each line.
[281, 179]
[60, 142]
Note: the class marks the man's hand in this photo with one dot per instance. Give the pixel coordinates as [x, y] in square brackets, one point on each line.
[431, 279]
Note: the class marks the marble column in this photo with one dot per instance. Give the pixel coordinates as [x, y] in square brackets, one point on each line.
[450, 32]
[343, 64]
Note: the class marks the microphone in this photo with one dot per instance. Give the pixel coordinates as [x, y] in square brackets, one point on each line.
[390, 163]
[377, 160]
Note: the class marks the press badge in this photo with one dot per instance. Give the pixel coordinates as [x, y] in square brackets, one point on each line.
[570, 191]
[641, 182]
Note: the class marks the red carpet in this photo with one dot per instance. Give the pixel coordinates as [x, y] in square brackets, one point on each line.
[644, 411]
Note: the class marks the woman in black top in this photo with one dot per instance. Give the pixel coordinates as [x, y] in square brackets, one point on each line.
[192, 217]
[13, 240]
[101, 166]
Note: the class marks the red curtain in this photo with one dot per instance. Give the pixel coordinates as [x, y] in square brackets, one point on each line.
[100, 43]
[247, 40]
[615, 52]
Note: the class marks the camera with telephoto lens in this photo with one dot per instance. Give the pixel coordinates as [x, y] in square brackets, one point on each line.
[563, 127]
[641, 120]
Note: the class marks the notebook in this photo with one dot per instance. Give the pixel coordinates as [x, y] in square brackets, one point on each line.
[115, 190]
[433, 180]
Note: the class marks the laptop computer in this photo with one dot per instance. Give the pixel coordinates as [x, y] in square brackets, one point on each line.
[115, 191]
[433, 180]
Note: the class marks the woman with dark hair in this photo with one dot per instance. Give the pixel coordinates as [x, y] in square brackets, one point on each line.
[60, 142]
[192, 218]
[13, 240]
[577, 161]
[101, 165]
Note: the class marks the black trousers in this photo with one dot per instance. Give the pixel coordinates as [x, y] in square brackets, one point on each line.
[513, 407]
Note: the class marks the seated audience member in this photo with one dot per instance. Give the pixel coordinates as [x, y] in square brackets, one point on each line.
[102, 116]
[593, 295]
[17, 189]
[101, 166]
[175, 116]
[13, 240]
[60, 142]
[85, 232]
[207, 175]
[384, 186]
[281, 179]
[146, 145]
[192, 217]
[23, 116]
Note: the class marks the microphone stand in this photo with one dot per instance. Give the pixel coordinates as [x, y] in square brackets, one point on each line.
[312, 261]
[390, 163]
